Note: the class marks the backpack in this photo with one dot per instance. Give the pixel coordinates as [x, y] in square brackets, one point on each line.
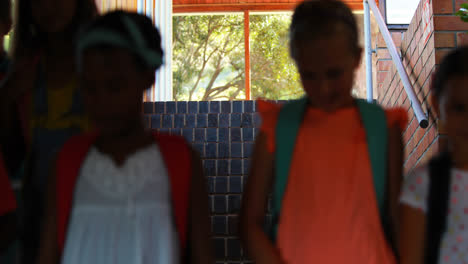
[289, 121]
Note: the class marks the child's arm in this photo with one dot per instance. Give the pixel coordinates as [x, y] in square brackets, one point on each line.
[412, 230]
[48, 249]
[8, 230]
[255, 200]
[395, 172]
[200, 241]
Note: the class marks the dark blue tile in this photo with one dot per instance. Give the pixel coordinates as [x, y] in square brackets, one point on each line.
[236, 150]
[220, 206]
[237, 106]
[179, 121]
[247, 134]
[200, 135]
[235, 184]
[224, 120]
[255, 106]
[226, 107]
[210, 167]
[236, 120]
[248, 148]
[155, 121]
[211, 150]
[222, 167]
[181, 107]
[203, 107]
[247, 120]
[159, 107]
[223, 150]
[236, 134]
[188, 134]
[193, 107]
[210, 181]
[234, 250]
[190, 121]
[214, 107]
[233, 226]
[200, 148]
[257, 120]
[246, 166]
[212, 120]
[148, 107]
[219, 225]
[170, 107]
[234, 204]
[176, 131]
[202, 120]
[212, 134]
[248, 106]
[221, 185]
[256, 131]
[164, 130]
[236, 167]
[219, 247]
[167, 121]
[223, 134]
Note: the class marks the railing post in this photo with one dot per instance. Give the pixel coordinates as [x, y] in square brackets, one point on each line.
[368, 46]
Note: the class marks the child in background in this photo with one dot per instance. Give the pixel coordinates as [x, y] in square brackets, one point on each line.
[434, 199]
[124, 194]
[40, 101]
[5, 26]
[342, 161]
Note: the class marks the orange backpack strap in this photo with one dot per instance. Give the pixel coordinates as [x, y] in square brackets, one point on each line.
[69, 161]
[177, 157]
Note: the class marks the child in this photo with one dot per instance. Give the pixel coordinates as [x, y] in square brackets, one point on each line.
[124, 194]
[434, 201]
[5, 26]
[40, 101]
[7, 210]
[334, 162]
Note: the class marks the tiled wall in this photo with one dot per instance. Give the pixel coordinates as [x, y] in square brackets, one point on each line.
[223, 134]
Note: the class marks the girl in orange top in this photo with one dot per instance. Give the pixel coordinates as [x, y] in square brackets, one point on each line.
[329, 209]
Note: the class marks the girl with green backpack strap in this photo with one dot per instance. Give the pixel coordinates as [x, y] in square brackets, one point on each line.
[331, 163]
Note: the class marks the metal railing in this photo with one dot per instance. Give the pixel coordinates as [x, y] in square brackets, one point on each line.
[415, 104]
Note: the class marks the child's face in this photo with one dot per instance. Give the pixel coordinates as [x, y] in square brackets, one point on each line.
[454, 111]
[53, 16]
[113, 88]
[326, 67]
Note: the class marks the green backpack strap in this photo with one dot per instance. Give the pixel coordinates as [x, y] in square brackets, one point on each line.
[289, 121]
[375, 123]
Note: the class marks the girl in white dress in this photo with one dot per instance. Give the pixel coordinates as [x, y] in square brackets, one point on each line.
[434, 216]
[124, 194]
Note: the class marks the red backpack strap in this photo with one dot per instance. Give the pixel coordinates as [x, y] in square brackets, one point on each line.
[69, 161]
[177, 157]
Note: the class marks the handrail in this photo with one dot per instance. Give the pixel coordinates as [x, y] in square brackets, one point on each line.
[415, 104]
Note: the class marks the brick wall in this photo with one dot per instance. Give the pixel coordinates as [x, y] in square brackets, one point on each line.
[429, 37]
[416, 47]
[223, 134]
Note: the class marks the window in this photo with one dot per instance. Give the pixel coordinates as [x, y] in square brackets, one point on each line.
[400, 11]
[209, 57]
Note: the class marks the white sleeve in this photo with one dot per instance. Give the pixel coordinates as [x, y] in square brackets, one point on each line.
[416, 188]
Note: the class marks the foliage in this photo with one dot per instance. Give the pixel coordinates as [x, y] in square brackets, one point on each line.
[208, 58]
[463, 12]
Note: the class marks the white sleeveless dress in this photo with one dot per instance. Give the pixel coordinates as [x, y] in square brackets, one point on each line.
[124, 214]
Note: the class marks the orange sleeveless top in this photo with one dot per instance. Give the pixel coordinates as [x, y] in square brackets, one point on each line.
[329, 212]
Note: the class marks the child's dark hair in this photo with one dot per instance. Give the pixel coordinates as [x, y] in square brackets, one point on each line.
[5, 10]
[317, 18]
[27, 39]
[115, 22]
[453, 65]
